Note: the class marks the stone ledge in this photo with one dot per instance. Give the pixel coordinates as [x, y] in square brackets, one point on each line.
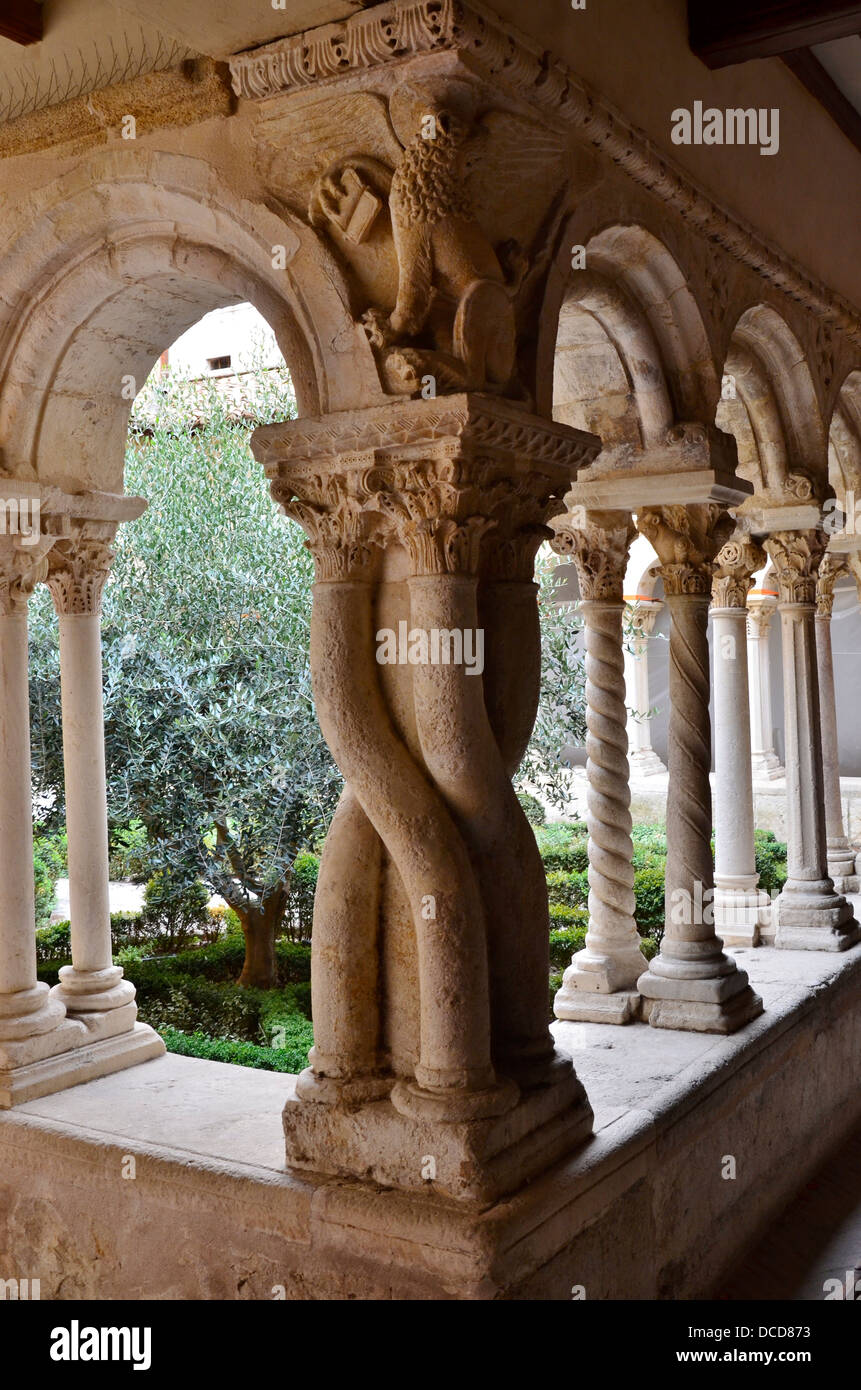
[642, 1211]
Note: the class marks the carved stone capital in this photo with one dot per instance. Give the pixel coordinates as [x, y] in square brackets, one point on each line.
[687, 540]
[78, 569]
[21, 569]
[466, 485]
[831, 567]
[796, 556]
[598, 543]
[737, 562]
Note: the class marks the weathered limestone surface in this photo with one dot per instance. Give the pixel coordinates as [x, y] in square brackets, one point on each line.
[430, 942]
[208, 1150]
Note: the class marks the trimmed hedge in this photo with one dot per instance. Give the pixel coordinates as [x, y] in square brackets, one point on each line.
[291, 1057]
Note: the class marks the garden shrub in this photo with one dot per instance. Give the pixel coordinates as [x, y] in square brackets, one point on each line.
[176, 909]
[568, 889]
[564, 941]
[770, 860]
[291, 1057]
[532, 808]
[49, 864]
[299, 916]
[649, 888]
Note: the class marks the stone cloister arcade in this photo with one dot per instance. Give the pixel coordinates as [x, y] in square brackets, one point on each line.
[476, 371]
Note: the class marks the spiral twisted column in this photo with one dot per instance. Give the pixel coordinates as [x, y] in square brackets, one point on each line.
[600, 984]
[840, 854]
[811, 915]
[431, 925]
[691, 983]
[741, 908]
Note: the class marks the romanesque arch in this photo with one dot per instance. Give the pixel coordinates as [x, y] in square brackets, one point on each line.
[120, 259]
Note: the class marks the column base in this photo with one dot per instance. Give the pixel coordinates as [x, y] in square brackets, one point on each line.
[740, 914]
[470, 1161]
[767, 767]
[841, 869]
[581, 1006]
[75, 1058]
[812, 917]
[599, 987]
[720, 1004]
[646, 763]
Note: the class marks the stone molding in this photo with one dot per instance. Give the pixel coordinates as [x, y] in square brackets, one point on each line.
[396, 31]
[736, 564]
[796, 556]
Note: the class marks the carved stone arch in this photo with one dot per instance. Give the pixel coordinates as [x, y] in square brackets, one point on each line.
[844, 439]
[113, 264]
[776, 390]
[645, 275]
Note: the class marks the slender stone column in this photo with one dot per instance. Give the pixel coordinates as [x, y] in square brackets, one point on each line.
[740, 906]
[600, 985]
[431, 925]
[643, 760]
[33, 1025]
[810, 914]
[91, 985]
[761, 607]
[840, 854]
[691, 984]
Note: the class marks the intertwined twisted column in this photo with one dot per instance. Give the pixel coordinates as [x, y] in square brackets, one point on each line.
[600, 983]
[740, 907]
[810, 914]
[691, 983]
[431, 926]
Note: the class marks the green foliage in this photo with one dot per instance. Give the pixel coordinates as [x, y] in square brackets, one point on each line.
[49, 864]
[303, 885]
[532, 808]
[568, 889]
[130, 853]
[649, 885]
[770, 861]
[175, 910]
[564, 941]
[290, 1056]
[216, 766]
[561, 717]
[562, 845]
